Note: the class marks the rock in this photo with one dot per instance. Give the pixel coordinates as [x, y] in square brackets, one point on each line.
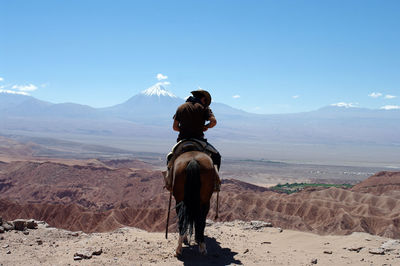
[26, 233]
[1, 237]
[74, 234]
[260, 224]
[2, 230]
[77, 258]
[31, 224]
[356, 249]
[377, 251]
[1, 220]
[7, 226]
[256, 225]
[327, 252]
[19, 224]
[8, 252]
[314, 261]
[39, 242]
[265, 242]
[391, 245]
[42, 223]
[97, 252]
[247, 250]
[83, 254]
[5, 246]
[209, 222]
[280, 230]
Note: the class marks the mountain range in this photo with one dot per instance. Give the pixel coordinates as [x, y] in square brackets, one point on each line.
[147, 118]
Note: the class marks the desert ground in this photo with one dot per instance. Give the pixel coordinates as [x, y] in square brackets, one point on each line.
[229, 243]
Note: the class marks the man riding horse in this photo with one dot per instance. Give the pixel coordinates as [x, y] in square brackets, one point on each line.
[190, 121]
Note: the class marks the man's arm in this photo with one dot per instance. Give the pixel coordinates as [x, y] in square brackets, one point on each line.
[212, 123]
[175, 126]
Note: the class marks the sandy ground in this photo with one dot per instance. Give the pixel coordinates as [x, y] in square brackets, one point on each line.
[233, 243]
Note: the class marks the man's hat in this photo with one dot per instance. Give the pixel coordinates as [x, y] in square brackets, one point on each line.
[202, 93]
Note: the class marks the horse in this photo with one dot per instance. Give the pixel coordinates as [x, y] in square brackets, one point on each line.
[194, 177]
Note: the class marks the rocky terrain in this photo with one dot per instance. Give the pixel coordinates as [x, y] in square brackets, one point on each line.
[101, 196]
[229, 243]
[381, 184]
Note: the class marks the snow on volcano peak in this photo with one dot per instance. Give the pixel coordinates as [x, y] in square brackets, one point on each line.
[158, 90]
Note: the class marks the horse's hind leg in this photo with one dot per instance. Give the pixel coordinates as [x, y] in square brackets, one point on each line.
[202, 248]
[186, 240]
[200, 225]
[179, 247]
[180, 226]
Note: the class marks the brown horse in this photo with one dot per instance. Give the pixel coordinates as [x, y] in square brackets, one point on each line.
[194, 179]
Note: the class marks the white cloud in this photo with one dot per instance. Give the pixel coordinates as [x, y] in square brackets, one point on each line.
[296, 96]
[13, 92]
[161, 76]
[345, 105]
[1, 79]
[388, 96]
[29, 87]
[375, 95]
[236, 96]
[390, 107]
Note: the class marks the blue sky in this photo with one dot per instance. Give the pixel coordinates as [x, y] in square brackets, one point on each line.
[274, 56]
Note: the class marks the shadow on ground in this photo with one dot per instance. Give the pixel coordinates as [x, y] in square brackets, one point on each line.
[216, 254]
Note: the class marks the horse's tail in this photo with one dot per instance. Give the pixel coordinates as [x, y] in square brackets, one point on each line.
[190, 207]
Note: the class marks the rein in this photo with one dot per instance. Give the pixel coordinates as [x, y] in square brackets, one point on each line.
[169, 208]
[216, 212]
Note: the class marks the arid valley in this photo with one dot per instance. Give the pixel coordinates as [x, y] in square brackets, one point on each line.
[106, 203]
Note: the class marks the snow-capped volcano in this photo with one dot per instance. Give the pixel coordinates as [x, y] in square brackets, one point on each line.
[158, 90]
[154, 105]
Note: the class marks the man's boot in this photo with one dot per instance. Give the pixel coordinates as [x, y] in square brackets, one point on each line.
[217, 185]
[168, 179]
[168, 174]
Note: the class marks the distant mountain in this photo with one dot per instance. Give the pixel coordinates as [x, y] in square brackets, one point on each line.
[27, 106]
[329, 125]
[16, 104]
[148, 116]
[355, 112]
[156, 106]
[153, 106]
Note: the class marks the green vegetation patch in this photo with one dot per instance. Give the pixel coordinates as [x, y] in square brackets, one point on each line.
[296, 187]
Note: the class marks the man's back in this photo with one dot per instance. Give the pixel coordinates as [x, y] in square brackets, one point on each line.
[192, 117]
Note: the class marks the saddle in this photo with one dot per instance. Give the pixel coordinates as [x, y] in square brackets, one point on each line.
[187, 145]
